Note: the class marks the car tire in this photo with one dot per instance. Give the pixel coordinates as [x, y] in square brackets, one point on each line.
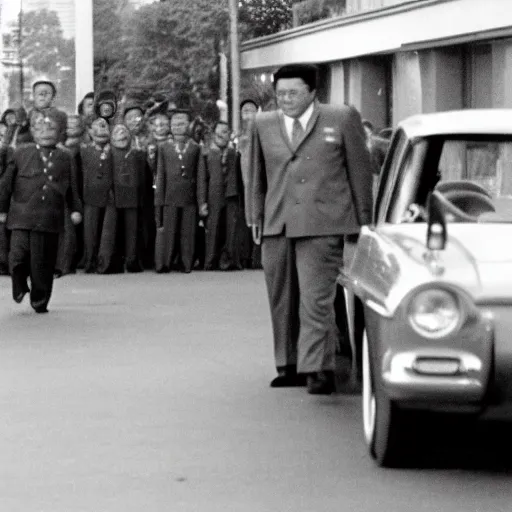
[383, 422]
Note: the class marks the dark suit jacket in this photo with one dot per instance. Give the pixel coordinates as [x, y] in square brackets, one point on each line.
[129, 177]
[34, 193]
[176, 180]
[217, 184]
[322, 187]
[97, 175]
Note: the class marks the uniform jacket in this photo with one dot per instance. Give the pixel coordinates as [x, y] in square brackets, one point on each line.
[38, 192]
[97, 176]
[321, 187]
[129, 177]
[177, 180]
[220, 181]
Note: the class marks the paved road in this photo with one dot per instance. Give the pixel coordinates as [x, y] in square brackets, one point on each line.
[149, 393]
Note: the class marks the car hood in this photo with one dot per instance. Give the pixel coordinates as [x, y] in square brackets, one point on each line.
[477, 258]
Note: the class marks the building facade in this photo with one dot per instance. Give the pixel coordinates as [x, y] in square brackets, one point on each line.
[395, 58]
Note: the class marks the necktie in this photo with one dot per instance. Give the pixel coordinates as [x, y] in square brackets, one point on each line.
[297, 132]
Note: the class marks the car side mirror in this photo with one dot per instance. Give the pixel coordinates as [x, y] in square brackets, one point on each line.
[436, 229]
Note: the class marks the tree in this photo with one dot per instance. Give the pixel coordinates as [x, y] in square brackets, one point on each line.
[111, 44]
[46, 52]
[263, 17]
[174, 47]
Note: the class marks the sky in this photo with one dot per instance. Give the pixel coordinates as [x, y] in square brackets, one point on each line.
[10, 9]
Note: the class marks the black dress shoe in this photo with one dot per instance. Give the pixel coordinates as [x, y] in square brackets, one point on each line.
[321, 383]
[288, 380]
[41, 309]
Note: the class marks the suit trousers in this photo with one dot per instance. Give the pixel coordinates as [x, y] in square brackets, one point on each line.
[221, 236]
[303, 270]
[178, 229]
[33, 254]
[99, 237]
[280, 270]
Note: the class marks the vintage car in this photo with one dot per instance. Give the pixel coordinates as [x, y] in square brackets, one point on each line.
[434, 277]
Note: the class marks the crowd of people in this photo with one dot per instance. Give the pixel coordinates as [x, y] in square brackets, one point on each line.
[146, 186]
[122, 189]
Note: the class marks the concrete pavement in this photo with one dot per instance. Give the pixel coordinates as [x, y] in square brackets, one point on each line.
[150, 393]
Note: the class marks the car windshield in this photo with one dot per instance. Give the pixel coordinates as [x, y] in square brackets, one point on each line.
[485, 162]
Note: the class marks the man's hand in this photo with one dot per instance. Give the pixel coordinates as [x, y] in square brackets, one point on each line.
[76, 218]
[256, 232]
[203, 210]
[3, 218]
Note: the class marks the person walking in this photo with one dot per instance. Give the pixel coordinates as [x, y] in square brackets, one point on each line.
[311, 185]
[34, 191]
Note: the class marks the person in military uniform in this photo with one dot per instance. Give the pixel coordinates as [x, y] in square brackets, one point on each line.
[35, 189]
[44, 92]
[98, 197]
[178, 166]
[134, 119]
[5, 157]
[129, 166]
[105, 105]
[220, 201]
[71, 239]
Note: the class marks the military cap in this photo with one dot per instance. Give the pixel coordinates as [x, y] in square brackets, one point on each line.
[46, 81]
[248, 100]
[106, 96]
[307, 72]
[3, 119]
[132, 105]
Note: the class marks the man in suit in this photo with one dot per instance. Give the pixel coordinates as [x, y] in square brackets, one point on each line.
[35, 189]
[220, 201]
[311, 185]
[179, 164]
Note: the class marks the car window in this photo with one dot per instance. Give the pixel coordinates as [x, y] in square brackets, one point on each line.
[487, 163]
[388, 175]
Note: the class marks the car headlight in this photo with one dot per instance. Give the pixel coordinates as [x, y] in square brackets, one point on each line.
[434, 313]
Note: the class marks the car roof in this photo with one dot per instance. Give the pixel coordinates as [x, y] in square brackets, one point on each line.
[459, 122]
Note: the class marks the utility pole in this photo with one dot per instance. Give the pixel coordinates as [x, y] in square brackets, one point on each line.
[235, 67]
[20, 55]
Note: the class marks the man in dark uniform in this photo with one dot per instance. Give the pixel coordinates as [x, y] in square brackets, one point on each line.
[44, 92]
[5, 157]
[178, 167]
[129, 166]
[36, 187]
[220, 201]
[98, 197]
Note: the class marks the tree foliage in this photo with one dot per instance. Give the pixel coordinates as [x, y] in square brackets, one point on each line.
[263, 17]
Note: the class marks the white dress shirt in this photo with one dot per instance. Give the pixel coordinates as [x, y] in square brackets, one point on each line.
[303, 119]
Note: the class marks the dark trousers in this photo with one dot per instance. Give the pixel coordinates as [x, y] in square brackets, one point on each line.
[221, 237]
[33, 254]
[127, 219]
[303, 270]
[4, 249]
[99, 237]
[178, 230]
[67, 246]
